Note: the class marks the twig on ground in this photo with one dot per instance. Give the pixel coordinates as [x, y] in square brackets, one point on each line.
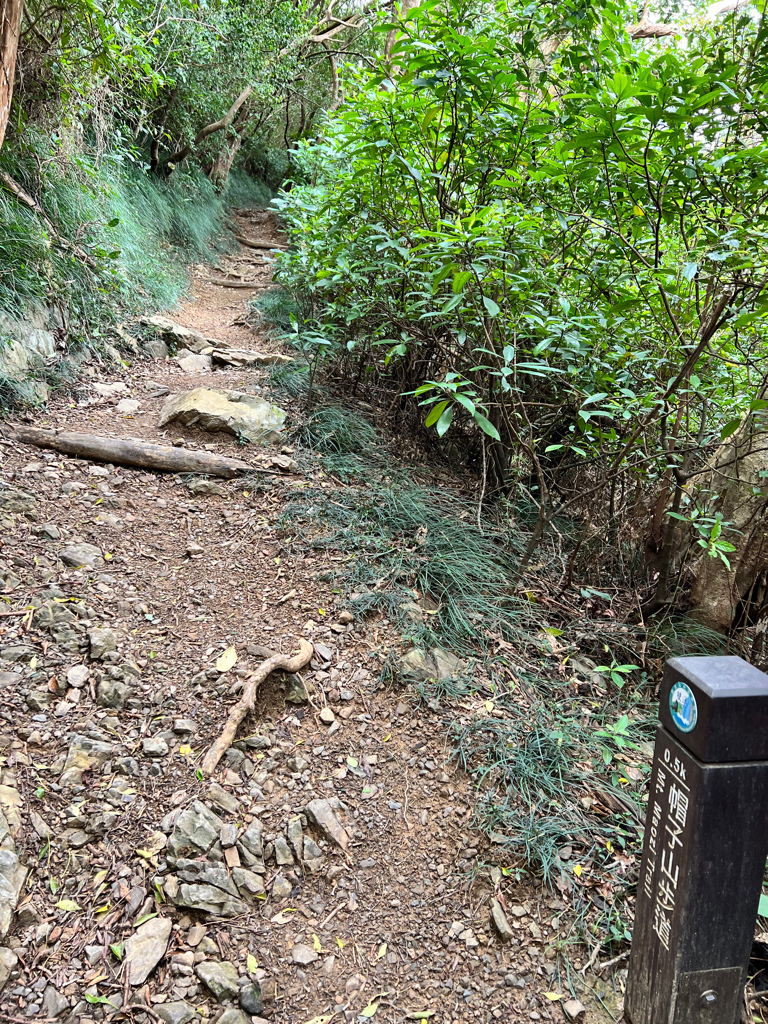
[610, 963]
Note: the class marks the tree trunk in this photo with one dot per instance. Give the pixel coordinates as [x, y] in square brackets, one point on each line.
[720, 595]
[10, 23]
[222, 164]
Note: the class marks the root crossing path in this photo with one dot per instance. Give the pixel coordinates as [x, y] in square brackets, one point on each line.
[328, 867]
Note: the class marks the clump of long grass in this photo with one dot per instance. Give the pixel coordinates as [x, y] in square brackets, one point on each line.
[277, 309]
[118, 241]
[411, 540]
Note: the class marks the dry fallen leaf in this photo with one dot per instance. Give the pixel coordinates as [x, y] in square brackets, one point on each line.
[227, 660]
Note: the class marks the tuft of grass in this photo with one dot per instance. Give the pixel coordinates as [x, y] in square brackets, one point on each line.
[291, 378]
[407, 541]
[336, 431]
[278, 309]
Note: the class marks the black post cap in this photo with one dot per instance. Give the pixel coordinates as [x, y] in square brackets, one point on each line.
[716, 707]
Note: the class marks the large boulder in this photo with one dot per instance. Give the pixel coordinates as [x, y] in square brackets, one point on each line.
[230, 411]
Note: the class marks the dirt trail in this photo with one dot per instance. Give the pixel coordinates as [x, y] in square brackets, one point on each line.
[110, 698]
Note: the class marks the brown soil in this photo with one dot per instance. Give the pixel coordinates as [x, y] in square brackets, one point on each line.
[384, 915]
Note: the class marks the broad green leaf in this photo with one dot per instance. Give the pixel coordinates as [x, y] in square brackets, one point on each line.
[486, 426]
[492, 307]
[445, 421]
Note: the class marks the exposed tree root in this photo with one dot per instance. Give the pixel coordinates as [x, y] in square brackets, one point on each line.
[245, 704]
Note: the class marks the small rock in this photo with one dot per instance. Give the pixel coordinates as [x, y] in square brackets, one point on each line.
[175, 1013]
[54, 1002]
[219, 797]
[228, 835]
[102, 641]
[77, 676]
[207, 487]
[111, 693]
[128, 406]
[322, 814]
[220, 977]
[77, 555]
[192, 362]
[281, 888]
[233, 1016]
[346, 617]
[249, 997]
[416, 664]
[8, 961]
[297, 692]
[327, 716]
[154, 747]
[574, 1008]
[110, 390]
[146, 947]
[283, 855]
[301, 954]
[502, 925]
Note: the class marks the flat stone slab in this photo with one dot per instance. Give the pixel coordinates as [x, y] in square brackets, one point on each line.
[146, 948]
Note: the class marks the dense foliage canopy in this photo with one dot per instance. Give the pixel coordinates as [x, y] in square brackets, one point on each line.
[540, 226]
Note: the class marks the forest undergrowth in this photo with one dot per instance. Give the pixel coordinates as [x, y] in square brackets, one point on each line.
[563, 692]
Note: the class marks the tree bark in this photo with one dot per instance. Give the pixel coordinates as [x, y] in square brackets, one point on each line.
[10, 24]
[739, 477]
[215, 126]
[223, 161]
[128, 451]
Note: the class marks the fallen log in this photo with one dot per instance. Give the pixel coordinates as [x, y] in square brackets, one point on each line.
[256, 243]
[129, 451]
[273, 663]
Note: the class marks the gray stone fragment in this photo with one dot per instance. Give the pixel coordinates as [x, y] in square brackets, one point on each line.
[146, 947]
[500, 922]
[8, 961]
[297, 692]
[175, 1013]
[322, 814]
[296, 837]
[196, 830]
[101, 641]
[417, 664]
[206, 873]
[54, 1002]
[233, 1016]
[304, 955]
[209, 899]
[111, 693]
[76, 555]
[249, 997]
[281, 888]
[283, 854]
[154, 746]
[228, 835]
[12, 499]
[219, 797]
[220, 977]
[248, 882]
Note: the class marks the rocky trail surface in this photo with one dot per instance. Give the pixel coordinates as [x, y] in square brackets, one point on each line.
[328, 870]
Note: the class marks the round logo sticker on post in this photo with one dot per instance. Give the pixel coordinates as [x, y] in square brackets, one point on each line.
[682, 705]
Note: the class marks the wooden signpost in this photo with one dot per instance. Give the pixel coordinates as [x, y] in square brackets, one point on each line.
[705, 848]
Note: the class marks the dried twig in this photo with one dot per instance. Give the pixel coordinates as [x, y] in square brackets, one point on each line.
[245, 704]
